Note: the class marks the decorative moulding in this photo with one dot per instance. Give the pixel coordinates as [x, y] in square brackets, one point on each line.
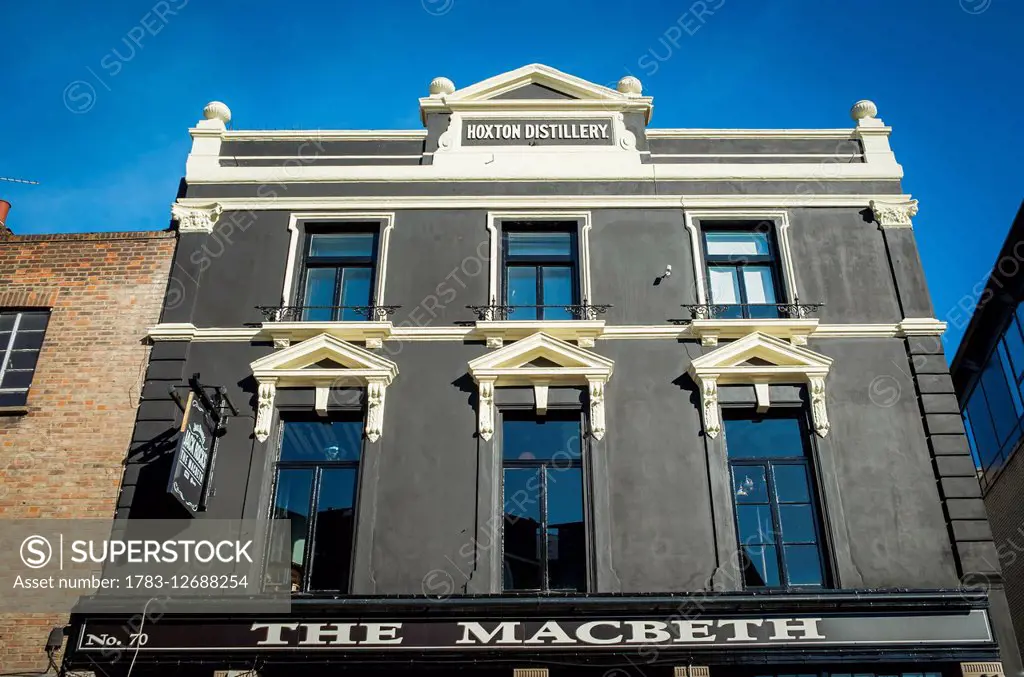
[497, 332]
[760, 359]
[795, 331]
[372, 334]
[894, 214]
[541, 361]
[303, 365]
[193, 219]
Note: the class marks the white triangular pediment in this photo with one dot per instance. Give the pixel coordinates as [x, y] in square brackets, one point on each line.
[324, 354]
[758, 351]
[535, 74]
[541, 351]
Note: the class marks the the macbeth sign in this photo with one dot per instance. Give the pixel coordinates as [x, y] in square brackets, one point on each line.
[192, 456]
[537, 132]
[545, 635]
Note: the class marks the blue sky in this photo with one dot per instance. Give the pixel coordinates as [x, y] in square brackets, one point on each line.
[946, 74]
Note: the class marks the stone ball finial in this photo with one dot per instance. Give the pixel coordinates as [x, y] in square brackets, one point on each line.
[630, 86]
[441, 86]
[863, 109]
[216, 110]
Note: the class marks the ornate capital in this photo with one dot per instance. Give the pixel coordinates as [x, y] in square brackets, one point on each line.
[196, 219]
[709, 406]
[894, 214]
[819, 413]
[264, 410]
[597, 425]
[375, 391]
[486, 409]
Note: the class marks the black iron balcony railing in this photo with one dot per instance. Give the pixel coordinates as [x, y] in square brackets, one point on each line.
[752, 311]
[327, 313]
[582, 311]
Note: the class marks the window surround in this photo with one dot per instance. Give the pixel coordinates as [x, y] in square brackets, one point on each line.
[7, 353]
[296, 366]
[512, 366]
[711, 330]
[496, 332]
[760, 360]
[371, 331]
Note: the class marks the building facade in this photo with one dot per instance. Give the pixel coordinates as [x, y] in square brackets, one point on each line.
[74, 313]
[540, 387]
[987, 373]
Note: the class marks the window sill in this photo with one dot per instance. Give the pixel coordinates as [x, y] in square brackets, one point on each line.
[20, 410]
[369, 332]
[795, 331]
[496, 332]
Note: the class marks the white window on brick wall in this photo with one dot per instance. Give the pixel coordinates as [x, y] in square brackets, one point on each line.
[21, 338]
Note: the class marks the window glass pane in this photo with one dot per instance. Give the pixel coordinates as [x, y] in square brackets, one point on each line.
[981, 424]
[1014, 392]
[803, 565]
[322, 441]
[997, 393]
[27, 340]
[1015, 347]
[6, 324]
[522, 291]
[755, 524]
[23, 359]
[757, 281]
[332, 539]
[319, 292]
[760, 566]
[749, 484]
[14, 399]
[355, 291]
[32, 321]
[764, 438]
[358, 245]
[5, 340]
[567, 545]
[791, 484]
[522, 529]
[736, 243]
[291, 502]
[797, 522]
[527, 244]
[17, 379]
[557, 290]
[548, 438]
[725, 285]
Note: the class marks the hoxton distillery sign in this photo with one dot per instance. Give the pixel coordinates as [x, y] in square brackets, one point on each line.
[539, 634]
[537, 132]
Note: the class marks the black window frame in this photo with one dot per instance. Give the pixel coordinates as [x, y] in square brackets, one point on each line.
[582, 463]
[809, 461]
[773, 260]
[7, 353]
[339, 263]
[572, 260]
[348, 415]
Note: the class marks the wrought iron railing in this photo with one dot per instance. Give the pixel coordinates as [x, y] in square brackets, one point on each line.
[752, 311]
[581, 311]
[332, 313]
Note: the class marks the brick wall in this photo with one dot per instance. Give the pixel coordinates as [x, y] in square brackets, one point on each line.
[63, 458]
[1006, 515]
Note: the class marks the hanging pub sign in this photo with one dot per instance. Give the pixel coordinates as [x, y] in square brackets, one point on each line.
[555, 132]
[191, 465]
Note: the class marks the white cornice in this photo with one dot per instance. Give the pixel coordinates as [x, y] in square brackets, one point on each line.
[751, 133]
[325, 135]
[500, 202]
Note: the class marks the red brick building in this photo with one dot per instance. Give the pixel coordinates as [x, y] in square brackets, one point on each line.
[74, 310]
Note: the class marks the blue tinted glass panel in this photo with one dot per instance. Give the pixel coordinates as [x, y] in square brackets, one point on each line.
[557, 290]
[318, 441]
[1014, 391]
[755, 524]
[567, 545]
[355, 291]
[527, 245]
[986, 445]
[332, 539]
[749, 485]
[522, 529]
[791, 484]
[737, 244]
[291, 502]
[346, 245]
[319, 292]
[545, 438]
[803, 565]
[522, 291]
[725, 284]
[760, 566]
[1015, 347]
[997, 393]
[764, 438]
[797, 522]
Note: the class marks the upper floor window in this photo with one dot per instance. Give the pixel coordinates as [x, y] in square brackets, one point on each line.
[777, 519]
[544, 537]
[315, 490]
[541, 271]
[21, 338]
[742, 271]
[338, 278]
